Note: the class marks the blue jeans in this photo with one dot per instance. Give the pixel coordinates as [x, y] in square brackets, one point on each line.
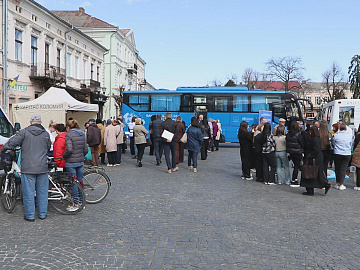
[118, 153]
[170, 147]
[76, 169]
[281, 158]
[30, 183]
[192, 157]
[158, 147]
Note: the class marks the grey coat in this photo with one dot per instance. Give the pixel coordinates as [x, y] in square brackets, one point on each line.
[140, 133]
[76, 147]
[35, 143]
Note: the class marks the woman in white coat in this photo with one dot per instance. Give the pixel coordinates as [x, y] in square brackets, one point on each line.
[110, 134]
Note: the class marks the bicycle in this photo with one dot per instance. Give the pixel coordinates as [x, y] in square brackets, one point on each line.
[61, 195]
[96, 184]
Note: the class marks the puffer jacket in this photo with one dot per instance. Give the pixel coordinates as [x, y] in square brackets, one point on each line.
[294, 142]
[59, 149]
[35, 143]
[76, 147]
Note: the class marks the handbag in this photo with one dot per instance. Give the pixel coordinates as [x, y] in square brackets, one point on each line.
[184, 138]
[222, 138]
[148, 142]
[309, 172]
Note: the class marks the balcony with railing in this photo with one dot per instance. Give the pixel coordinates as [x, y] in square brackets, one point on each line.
[49, 73]
[132, 68]
[89, 83]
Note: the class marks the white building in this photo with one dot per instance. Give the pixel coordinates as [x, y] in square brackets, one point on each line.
[43, 50]
[124, 69]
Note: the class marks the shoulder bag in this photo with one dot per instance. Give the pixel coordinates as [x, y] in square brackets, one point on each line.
[222, 138]
[184, 138]
[309, 172]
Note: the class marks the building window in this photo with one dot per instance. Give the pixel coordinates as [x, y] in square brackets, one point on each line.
[34, 18]
[68, 66]
[33, 51]
[48, 26]
[58, 59]
[76, 67]
[318, 100]
[18, 9]
[18, 45]
[98, 74]
[308, 98]
[84, 68]
[92, 71]
[47, 59]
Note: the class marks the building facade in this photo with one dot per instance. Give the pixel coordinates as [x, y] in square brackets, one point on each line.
[122, 63]
[44, 50]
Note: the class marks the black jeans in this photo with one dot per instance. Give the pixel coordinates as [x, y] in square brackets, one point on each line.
[358, 177]
[204, 147]
[118, 153]
[296, 159]
[132, 146]
[341, 164]
[152, 145]
[170, 147]
[141, 149]
[259, 166]
[269, 159]
[245, 163]
[158, 148]
[327, 156]
[111, 157]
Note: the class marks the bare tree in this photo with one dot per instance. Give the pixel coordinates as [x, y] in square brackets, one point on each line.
[250, 78]
[334, 83]
[119, 98]
[285, 69]
[216, 83]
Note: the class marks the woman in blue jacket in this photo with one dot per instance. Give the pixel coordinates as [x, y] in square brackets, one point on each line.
[193, 145]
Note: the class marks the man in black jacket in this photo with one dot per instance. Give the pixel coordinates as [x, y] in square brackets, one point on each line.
[156, 134]
[170, 145]
[93, 139]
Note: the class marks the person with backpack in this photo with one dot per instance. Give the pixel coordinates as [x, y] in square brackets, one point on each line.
[294, 146]
[268, 154]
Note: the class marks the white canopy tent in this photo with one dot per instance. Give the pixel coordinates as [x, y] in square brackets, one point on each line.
[55, 104]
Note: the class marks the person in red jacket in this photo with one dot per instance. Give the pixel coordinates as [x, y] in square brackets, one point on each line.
[60, 145]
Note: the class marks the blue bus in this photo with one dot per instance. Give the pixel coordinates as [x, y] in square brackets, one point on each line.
[230, 105]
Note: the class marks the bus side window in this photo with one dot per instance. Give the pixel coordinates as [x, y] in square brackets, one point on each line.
[241, 103]
[165, 103]
[221, 104]
[139, 102]
[186, 103]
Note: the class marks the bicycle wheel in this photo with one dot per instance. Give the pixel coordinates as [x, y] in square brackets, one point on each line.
[67, 197]
[96, 186]
[8, 195]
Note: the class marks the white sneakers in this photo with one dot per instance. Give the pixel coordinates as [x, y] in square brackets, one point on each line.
[357, 188]
[72, 208]
[340, 187]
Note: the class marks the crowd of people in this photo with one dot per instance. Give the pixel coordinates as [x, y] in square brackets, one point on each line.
[271, 150]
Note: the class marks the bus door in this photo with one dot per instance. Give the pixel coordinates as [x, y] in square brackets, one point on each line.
[200, 105]
[287, 110]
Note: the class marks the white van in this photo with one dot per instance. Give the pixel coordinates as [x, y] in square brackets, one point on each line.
[347, 110]
[6, 128]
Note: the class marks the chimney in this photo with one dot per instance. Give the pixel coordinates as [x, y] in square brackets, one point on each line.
[81, 9]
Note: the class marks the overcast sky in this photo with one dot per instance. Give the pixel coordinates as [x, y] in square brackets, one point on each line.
[193, 42]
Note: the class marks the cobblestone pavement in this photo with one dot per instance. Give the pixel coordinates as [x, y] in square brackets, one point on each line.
[206, 220]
